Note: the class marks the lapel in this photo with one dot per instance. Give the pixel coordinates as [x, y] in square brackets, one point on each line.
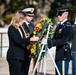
[31, 27]
[74, 29]
[22, 32]
[26, 28]
[61, 26]
[26, 31]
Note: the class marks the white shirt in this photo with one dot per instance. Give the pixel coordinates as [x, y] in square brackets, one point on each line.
[26, 22]
[75, 22]
[20, 32]
[63, 21]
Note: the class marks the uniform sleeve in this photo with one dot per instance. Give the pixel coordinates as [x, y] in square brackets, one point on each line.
[66, 35]
[16, 37]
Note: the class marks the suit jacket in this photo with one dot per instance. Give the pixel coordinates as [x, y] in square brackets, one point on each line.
[73, 47]
[16, 49]
[28, 29]
[63, 34]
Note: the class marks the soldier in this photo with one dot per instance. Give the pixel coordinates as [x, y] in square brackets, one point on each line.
[73, 48]
[28, 27]
[62, 35]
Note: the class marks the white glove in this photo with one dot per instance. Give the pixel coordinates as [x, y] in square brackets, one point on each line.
[44, 41]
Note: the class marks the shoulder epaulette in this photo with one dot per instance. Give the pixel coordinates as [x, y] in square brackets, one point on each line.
[68, 24]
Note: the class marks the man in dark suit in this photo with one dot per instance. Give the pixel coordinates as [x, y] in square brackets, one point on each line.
[73, 48]
[62, 35]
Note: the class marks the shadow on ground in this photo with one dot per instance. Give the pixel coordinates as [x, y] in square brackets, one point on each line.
[47, 74]
[43, 74]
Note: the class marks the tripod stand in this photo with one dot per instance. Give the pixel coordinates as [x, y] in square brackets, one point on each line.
[45, 49]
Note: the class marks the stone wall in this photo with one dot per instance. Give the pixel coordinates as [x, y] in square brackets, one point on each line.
[3, 42]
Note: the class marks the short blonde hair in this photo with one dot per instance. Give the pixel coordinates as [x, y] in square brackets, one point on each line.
[16, 18]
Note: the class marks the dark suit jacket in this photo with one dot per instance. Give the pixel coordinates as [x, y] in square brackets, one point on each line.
[73, 47]
[16, 49]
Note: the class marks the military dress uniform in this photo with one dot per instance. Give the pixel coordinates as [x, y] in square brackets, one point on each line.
[29, 29]
[63, 34]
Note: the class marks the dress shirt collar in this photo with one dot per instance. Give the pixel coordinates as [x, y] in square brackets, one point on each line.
[63, 21]
[27, 23]
[75, 22]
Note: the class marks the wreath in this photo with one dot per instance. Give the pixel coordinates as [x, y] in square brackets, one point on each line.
[40, 30]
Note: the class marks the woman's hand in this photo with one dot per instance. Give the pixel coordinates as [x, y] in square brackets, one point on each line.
[34, 39]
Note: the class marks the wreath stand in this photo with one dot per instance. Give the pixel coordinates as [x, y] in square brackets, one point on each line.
[45, 49]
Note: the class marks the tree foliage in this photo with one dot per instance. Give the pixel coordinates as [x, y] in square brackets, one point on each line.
[44, 8]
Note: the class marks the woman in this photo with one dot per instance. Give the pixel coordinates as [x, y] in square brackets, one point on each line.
[18, 45]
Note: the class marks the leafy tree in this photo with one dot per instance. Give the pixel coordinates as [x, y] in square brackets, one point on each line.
[44, 8]
[10, 7]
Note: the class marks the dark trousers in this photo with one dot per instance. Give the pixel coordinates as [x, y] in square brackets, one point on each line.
[19, 67]
[26, 65]
[73, 63]
[15, 67]
[59, 65]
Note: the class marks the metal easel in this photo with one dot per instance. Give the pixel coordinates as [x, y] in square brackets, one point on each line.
[45, 49]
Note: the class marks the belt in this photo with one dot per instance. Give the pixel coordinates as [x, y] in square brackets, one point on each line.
[73, 52]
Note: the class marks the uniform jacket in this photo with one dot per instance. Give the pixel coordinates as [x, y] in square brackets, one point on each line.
[63, 34]
[18, 45]
[73, 47]
[29, 28]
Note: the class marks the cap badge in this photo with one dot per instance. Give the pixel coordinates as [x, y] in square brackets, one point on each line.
[31, 10]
